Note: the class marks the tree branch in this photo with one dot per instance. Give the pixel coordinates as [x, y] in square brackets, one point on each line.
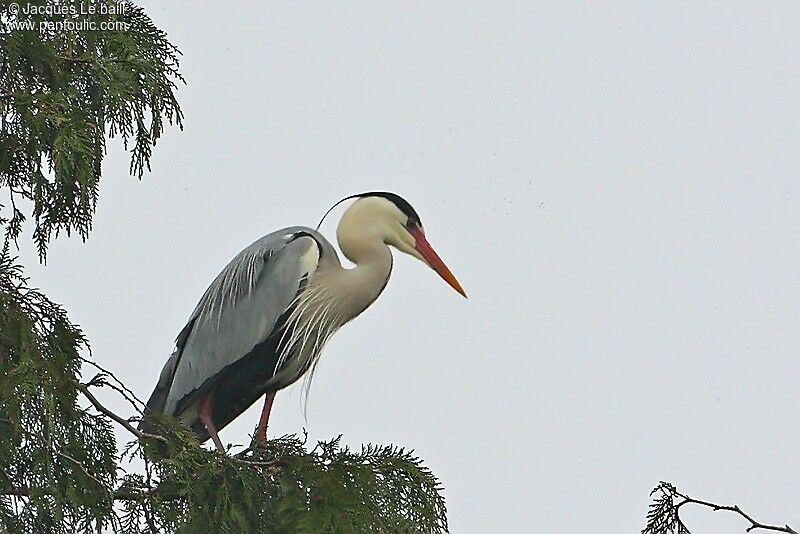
[754, 525]
[121, 388]
[81, 467]
[124, 422]
[121, 494]
[670, 492]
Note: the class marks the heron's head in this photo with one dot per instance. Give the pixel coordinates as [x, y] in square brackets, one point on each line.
[387, 217]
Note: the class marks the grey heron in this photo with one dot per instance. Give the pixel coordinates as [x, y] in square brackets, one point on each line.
[264, 320]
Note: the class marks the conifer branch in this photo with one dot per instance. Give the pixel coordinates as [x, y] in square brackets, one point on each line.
[83, 388]
[118, 386]
[664, 516]
[82, 468]
[121, 494]
[754, 525]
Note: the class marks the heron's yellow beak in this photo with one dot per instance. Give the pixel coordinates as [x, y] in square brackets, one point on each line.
[435, 262]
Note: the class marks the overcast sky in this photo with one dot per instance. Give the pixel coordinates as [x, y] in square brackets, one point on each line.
[617, 189]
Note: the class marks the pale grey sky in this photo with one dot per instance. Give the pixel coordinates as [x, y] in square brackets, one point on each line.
[616, 186]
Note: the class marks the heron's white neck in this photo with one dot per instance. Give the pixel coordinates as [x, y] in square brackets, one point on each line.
[363, 244]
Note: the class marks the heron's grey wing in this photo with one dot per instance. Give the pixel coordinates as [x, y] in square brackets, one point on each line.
[240, 309]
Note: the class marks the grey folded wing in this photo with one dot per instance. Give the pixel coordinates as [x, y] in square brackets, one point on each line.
[238, 311]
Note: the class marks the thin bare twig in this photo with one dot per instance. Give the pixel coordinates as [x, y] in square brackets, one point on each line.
[82, 468]
[121, 494]
[121, 388]
[100, 380]
[124, 422]
[754, 525]
[74, 59]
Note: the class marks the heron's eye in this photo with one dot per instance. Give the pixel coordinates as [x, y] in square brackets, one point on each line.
[413, 227]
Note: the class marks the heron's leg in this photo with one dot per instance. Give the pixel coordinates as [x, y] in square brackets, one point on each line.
[261, 432]
[204, 412]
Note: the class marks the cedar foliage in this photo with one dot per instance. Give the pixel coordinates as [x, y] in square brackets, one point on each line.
[62, 95]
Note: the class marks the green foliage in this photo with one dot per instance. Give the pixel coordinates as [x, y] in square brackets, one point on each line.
[61, 93]
[47, 441]
[283, 488]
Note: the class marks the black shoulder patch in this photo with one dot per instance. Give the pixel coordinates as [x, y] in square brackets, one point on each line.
[301, 233]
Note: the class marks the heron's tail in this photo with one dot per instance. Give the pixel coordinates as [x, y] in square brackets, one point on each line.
[158, 399]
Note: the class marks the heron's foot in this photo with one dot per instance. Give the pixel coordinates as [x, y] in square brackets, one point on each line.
[215, 438]
[260, 438]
